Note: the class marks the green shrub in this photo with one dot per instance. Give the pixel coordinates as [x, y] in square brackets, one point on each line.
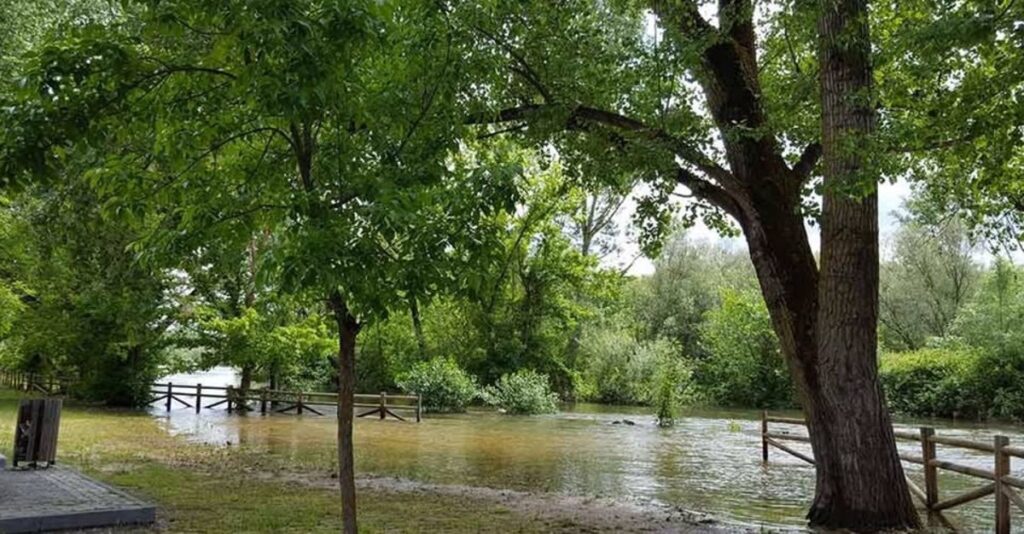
[955, 382]
[671, 381]
[928, 382]
[744, 364]
[524, 392]
[443, 385]
[618, 369]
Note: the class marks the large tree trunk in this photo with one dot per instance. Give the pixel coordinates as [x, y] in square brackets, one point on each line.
[860, 480]
[348, 329]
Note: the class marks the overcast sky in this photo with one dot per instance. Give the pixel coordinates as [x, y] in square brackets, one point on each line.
[890, 200]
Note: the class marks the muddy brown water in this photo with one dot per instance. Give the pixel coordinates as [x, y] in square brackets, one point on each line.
[709, 462]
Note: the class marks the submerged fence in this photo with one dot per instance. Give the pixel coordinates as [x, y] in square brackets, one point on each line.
[265, 400]
[1000, 483]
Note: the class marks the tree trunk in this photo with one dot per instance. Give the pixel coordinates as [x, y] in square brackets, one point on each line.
[860, 480]
[417, 326]
[348, 329]
[244, 385]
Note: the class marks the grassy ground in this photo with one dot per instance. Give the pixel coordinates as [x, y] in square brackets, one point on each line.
[202, 488]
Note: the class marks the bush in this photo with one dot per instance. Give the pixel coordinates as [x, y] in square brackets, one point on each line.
[524, 392]
[928, 382]
[744, 364]
[618, 369]
[955, 382]
[671, 381]
[443, 385]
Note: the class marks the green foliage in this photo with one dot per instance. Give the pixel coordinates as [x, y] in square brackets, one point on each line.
[672, 302]
[618, 369]
[524, 392]
[994, 318]
[443, 385]
[90, 309]
[743, 365]
[955, 382]
[671, 382]
[930, 277]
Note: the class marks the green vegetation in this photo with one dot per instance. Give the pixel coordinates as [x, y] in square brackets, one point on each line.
[524, 392]
[443, 385]
[324, 193]
[205, 488]
[975, 370]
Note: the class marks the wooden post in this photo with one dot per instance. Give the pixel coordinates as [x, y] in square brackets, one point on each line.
[299, 405]
[1002, 468]
[419, 406]
[764, 436]
[229, 392]
[199, 397]
[263, 401]
[931, 472]
[170, 389]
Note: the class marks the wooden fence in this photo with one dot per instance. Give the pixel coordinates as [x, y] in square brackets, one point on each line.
[232, 399]
[266, 400]
[999, 481]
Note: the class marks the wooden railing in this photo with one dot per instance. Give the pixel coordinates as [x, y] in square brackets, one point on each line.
[42, 383]
[1000, 482]
[279, 401]
[232, 399]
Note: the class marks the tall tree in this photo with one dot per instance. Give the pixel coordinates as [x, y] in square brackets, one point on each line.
[326, 122]
[737, 154]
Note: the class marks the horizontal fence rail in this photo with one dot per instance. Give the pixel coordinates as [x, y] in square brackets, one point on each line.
[999, 481]
[266, 400]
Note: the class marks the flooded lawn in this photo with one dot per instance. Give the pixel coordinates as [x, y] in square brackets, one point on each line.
[710, 462]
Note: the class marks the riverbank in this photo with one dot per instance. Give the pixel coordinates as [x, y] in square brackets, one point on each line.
[232, 487]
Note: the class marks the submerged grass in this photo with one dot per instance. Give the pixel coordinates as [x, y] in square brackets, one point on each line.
[205, 488]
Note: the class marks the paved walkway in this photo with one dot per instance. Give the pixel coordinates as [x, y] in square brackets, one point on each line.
[61, 498]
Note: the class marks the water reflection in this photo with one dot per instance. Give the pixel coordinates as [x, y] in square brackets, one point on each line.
[709, 462]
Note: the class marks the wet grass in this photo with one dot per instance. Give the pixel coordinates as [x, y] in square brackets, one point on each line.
[204, 488]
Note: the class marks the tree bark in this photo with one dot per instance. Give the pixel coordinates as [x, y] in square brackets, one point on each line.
[860, 480]
[417, 326]
[244, 385]
[348, 330]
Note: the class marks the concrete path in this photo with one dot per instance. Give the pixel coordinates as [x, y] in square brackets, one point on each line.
[61, 498]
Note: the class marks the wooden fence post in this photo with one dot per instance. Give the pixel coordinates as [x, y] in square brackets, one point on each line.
[764, 437]
[383, 403]
[931, 472]
[1002, 468]
[170, 390]
[263, 401]
[299, 405]
[229, 392]
[419, 406]
[199, 397]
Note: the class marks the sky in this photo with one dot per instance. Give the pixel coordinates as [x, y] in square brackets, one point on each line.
[890, 200]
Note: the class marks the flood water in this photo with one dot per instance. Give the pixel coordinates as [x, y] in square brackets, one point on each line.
[709, 462]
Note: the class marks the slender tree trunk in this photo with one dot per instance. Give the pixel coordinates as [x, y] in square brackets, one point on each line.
[348, 329]
[417, 326]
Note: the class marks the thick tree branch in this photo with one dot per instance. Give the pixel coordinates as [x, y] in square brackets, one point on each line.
[717, 196]
[808, 160]
[579, 115]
